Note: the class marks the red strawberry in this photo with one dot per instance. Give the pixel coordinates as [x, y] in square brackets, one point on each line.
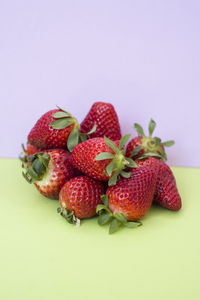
[129, 199]
[145, 146]
[79, 198]
[49, 170]
[56, 129]
[102, 159]
[166, 193]
[106, 119]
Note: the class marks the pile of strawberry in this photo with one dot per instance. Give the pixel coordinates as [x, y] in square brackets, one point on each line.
[89, 169]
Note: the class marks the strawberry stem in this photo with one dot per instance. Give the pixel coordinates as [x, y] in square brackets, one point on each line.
[116, 220]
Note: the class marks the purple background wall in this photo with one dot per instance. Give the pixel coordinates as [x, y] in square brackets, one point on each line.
[142, 56]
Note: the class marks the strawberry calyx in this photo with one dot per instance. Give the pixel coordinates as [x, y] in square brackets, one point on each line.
[23, 155]
[120, 164]
[36, 166]
[116, 220]
[68, 215]
[63, 120]
[152, 146]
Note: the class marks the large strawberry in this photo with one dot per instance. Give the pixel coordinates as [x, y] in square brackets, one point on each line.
[56, 129]
[106, 119]
[102, 159]
[128, 200]
[79, 198]
[147, 145]
[49, 170]
[166, 193]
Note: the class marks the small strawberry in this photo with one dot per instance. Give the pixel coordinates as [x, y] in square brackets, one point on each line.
[106, 119]
[166, 193]
[146, 146]
[102, 159]
[56, 129]
[49, 170]
[128, 200]
[79, 198]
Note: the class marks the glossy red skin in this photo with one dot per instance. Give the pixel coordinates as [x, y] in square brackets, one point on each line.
[81, 195]
[62, 171]
[83, 158]
[135, 142]
[133, 196]
[106, 119]
[45, 137]
[166, 193]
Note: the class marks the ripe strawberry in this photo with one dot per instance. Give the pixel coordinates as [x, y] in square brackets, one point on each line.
[129, 199]
[102, 159]
[106, 119]
[166, 193]
[79, 198]
[145, 146]
[49, 170]
[56, 129]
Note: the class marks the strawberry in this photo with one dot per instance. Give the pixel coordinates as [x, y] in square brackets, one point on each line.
[106, 119]
[56, 129]
[145, 146]
[128, 200]
[79, 198]
[166, 193]
[49, 170]
[102, 159]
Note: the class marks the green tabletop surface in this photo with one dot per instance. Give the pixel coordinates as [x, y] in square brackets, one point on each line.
[44, 257]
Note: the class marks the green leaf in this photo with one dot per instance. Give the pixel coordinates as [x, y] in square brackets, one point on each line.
[61, 114]
[100, 208]
[104, 199]
[152, 125]
[104, 218]
[114, 226]
[125, 174]
[44, 159]
[104, 155]
[113, 180]
[61, 123]
[27, 177]
[73, 139]
[83, 137]
[110, 168]
[92, 130]
[123, 141]
[32, 173]
[136, 150]
[111, 145]
[133, 224]
[59, 209]
[120, 217]
[157, 140]
[168, 143]
[63, 110]
[139, 129]
[150, 154]
[132, 163]
[162, 152]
